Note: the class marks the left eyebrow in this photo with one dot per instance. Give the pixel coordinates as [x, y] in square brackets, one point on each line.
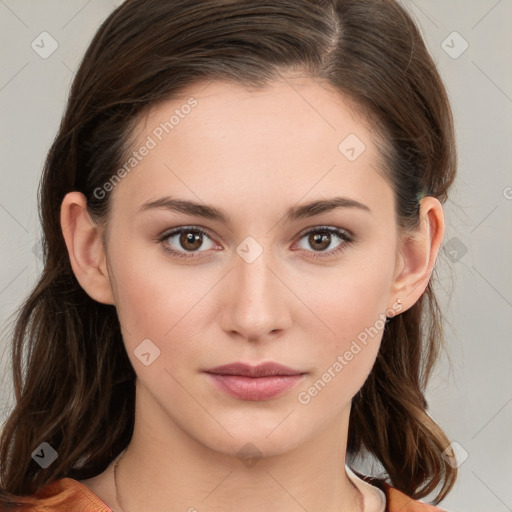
[322, 206]
[211, 212]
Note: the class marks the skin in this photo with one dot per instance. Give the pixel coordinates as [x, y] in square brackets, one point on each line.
[253, 154]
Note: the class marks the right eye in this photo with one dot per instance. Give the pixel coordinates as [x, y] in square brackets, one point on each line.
[185, 239]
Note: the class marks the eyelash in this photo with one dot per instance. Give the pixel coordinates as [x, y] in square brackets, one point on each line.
[342, 234]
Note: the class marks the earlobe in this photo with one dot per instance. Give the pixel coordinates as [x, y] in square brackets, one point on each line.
[85, 248]
[418, 253]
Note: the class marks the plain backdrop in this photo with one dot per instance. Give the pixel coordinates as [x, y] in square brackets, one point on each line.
[471, 42]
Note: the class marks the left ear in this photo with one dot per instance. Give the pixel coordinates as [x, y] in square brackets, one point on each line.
[418, 253]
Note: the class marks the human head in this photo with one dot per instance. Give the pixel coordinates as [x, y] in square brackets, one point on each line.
[368, 51]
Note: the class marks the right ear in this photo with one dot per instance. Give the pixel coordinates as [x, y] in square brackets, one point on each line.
[85, 248]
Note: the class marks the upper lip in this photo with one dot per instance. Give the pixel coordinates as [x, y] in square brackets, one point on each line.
[261, 370]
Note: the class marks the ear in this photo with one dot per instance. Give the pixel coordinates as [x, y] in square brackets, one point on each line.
[85, 248]
[417, 255]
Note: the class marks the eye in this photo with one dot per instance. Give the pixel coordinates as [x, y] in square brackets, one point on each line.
[323, 238]
[183, 240]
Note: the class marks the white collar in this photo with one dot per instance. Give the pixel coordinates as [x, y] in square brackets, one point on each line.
[374, 498]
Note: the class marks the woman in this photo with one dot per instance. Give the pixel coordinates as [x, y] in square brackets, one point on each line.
[242, 212]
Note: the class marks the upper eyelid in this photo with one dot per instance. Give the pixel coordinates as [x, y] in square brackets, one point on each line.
[326, 227]
[174, 231]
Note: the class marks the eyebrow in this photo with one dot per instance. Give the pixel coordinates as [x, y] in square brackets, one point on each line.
[211, 212]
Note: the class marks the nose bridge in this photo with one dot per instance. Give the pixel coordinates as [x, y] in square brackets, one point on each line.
[257, 305]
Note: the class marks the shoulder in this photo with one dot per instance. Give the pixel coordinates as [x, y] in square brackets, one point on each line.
[65, 494]
[397, 501]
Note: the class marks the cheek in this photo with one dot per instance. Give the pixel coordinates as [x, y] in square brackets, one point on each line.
[163, 303]
[347, 302]
[348, 324]
[351, 320]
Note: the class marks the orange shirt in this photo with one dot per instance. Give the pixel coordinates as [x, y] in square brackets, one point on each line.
[69, 495]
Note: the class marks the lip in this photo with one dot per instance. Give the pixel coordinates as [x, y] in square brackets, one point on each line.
[261, 382]
[260, 370]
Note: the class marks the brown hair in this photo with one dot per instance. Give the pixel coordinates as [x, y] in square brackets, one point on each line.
[74, 384]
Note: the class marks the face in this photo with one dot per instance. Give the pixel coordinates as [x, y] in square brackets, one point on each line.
[250, 275]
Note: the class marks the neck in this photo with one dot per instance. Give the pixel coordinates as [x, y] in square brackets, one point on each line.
[165, 469]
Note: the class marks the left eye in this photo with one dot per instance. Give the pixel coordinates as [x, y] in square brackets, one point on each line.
[322, 239]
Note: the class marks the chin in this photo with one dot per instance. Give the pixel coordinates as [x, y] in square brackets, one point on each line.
[255, 439]
[251, 450]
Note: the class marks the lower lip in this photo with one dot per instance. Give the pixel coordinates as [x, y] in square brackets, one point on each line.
[255, 388]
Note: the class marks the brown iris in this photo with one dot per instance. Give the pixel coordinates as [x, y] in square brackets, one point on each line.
[322, 238]
[191, 240]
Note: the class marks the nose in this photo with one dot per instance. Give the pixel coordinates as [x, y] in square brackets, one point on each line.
[256, 302]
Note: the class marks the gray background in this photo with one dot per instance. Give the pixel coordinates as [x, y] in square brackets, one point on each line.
[471, 397]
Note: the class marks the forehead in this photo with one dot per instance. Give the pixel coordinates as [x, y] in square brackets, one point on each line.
[293, 108]
[217, 141]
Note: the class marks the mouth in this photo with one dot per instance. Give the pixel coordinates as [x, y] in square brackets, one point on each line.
[262, 382]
